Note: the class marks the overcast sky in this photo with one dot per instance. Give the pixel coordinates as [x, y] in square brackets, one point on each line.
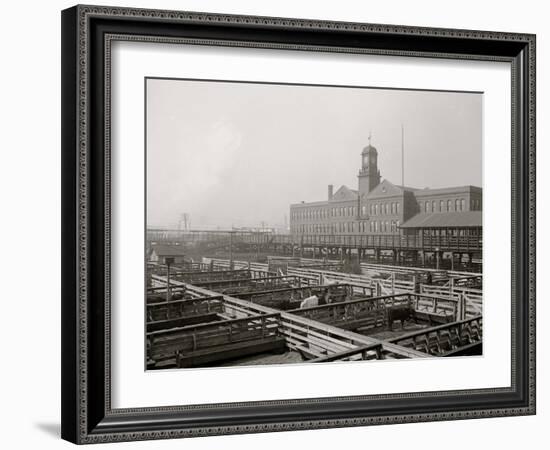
[240, 153]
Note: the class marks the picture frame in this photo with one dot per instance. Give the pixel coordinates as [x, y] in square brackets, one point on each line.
[87, 35]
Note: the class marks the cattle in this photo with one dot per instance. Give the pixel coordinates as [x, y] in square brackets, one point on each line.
[310, 302]
[401, 313]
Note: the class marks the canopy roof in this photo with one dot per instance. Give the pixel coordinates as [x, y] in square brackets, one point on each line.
[463, 219]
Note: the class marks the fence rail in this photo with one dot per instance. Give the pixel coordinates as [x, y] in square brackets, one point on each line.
[167, 343]
[444, 340]
[449, 242]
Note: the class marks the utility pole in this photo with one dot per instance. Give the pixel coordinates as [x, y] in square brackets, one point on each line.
[231, 250]
[402, 156]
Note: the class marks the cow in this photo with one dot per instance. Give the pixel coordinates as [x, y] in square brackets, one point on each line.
[310, 302]
[401, 313]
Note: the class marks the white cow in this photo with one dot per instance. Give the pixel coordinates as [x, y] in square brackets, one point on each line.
[310, 302]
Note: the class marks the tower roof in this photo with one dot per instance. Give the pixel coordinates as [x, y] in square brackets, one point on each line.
[369, 149]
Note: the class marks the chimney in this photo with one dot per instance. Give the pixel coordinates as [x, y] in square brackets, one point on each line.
[330, 191]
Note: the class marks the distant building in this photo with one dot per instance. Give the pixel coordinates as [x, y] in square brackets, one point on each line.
[381, 207]
[159, 253]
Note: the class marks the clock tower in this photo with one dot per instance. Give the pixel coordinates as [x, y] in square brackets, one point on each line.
[369, 175]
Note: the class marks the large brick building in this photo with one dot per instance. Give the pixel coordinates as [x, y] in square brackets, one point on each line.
[381, 207]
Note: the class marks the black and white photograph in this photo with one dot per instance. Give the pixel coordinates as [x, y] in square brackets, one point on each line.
[300, 223]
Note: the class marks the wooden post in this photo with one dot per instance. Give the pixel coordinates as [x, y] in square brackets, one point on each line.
[416, 283]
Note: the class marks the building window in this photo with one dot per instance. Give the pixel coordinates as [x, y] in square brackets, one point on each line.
[457, 204]
[433, 206]
[462, 204]
[441, 206]
[427, 207]
[376, 209]
[449, 205]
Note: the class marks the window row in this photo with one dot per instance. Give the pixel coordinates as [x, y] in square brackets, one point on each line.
[384, 208]
[375, 226]
[451, 205]
[374, 209]
[323, 213]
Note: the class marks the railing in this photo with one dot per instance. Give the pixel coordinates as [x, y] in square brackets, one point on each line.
[444, 340]
[352, 314]
[184, 308]
[197, 277]
[360, 282]
[394, 241]
[251, 285]
[290, 298]
[162, 269]
[372, 312]
[237, 265]
[363, 353]
[471, 299]
[387, 241]
[166, 343]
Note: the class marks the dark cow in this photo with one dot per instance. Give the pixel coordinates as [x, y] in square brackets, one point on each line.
[401, 313]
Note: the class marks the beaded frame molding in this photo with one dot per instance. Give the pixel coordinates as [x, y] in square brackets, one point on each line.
[87, 34]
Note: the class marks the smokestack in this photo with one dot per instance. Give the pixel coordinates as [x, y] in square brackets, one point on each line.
[330, 191]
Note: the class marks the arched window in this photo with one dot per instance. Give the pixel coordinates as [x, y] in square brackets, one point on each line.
[441, 206]
[457, 204]
[449, 205]
[376, 209]
[427, 207]
[433, 206]
[462, 204]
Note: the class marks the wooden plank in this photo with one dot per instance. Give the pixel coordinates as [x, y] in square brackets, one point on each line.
[231, 351]
[181, 322]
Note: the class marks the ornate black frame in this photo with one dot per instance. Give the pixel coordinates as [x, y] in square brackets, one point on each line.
[87, 416]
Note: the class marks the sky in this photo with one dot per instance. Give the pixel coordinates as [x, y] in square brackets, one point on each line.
[238, 154]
